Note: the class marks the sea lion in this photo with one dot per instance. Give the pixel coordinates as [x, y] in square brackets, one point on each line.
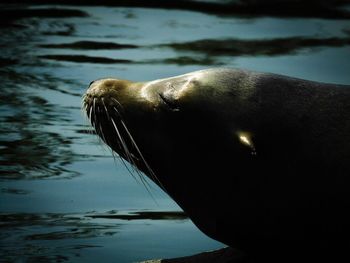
[258, 161]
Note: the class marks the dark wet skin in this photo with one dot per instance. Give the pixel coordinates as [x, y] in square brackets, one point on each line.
[287, 196]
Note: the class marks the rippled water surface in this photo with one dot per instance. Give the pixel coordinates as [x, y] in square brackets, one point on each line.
[62, 195]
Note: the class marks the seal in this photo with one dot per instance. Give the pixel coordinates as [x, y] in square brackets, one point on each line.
[258, 161]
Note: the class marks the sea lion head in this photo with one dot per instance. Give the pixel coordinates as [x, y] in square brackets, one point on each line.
[159, 124]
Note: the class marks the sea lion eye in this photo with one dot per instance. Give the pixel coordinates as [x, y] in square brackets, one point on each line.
[168, 102]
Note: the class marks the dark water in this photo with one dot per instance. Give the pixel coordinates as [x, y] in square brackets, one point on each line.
[62, 195]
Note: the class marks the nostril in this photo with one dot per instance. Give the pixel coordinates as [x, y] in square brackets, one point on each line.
[91, 82]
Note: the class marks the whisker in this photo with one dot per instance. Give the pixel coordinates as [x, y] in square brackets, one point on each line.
[126, 166]
[99, 132]
[132, 140]
[131, 161]
[104, 105]
[83, 109]
[94, 110]
[102, 134]
[131, 156]
[125, 148]
[121, 106]
[153, 175]
[97, 126]
[90, 115]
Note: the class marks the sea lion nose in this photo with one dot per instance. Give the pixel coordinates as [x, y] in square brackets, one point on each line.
[94, 93]
[106, 91]
[95, 90]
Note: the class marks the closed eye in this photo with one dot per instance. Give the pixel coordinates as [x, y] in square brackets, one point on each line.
[168, 102]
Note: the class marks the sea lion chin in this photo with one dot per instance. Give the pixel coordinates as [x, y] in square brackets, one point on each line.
[258, 161]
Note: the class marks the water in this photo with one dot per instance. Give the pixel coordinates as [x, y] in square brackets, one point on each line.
[62, 195]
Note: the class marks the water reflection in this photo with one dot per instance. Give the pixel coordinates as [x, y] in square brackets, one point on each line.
[181, 60]
[28, 150]
[20, 234]
[209, 49]
[9, 14]
[65, 235]
[15, 191]
[89, 45]
[59, 28]
[142, 215]
[246, 8]
[86, 59]
[257, 47]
